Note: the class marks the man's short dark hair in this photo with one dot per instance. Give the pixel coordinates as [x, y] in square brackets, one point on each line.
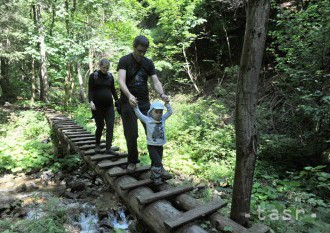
[141, 40]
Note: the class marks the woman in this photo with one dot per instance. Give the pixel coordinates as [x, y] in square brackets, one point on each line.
[101, 92]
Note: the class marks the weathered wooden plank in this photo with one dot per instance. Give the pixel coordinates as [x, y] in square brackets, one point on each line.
[108, 164]
[91, 152]
[71, 126]
[79, 135]
[86, 138]
[66, 131]
[144, 200]
[139, 169]
[86, 142]
[136, 184]
[258, 228]
[194, 214]
[99, 157]
[90, 146]
[84, 133]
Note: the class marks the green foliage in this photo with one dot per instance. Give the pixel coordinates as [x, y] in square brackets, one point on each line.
[277, 197]
[24, 145]
[299, 103]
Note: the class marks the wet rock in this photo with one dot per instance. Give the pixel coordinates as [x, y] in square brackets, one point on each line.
[98, 181]
[21, 188]
[70, 195]
[6, 202]
[76, 186]
[137, 227]
[31, 187]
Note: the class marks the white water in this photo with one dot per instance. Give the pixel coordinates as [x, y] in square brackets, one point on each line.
[120, 223]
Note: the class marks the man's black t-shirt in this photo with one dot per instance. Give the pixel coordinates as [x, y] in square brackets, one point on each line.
[101, 88]
[137, 74]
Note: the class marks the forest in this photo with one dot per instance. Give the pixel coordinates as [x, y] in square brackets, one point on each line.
[48, 49]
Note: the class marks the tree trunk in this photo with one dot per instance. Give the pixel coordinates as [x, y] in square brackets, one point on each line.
[91, 58]
[4, 79]
[68, 84]
[44, 85]
[257, 12]
[82, 95]
[33, 81]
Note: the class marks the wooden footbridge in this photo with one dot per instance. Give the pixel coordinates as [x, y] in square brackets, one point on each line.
[163, 208]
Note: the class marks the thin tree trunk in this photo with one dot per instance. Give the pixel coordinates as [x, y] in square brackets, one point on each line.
[4, 79]
[44, 85]
[257, 12]
[228, 44]
[81, 84]
[33, 81]
[190, 74]
[67, 84]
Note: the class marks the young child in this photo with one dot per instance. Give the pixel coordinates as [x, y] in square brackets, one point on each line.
[156, 138]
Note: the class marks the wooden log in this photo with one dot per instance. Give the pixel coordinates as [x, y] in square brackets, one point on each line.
[83, 139]
[154, 214]
[193, 214]
[91, 146]
[68, 131]
[99, 157]
[109, 164]
[136, 184]
[138, 169]
[92, 151]
[80, 143]
[78, 135]
[258, 228]
[68, 127]
[163, 194]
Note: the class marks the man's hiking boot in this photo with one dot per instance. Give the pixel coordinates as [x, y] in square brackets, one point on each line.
[111, 151]
[131, 168]
[165, 175]
[97, 148]
[155, 175]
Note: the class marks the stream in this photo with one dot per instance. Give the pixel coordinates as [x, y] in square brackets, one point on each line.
[84, 200]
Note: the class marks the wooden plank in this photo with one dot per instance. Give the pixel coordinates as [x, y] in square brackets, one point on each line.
[86, 142]
[66, 131]
[139, 169]
[79, 135]
[137, 184]
[90, 146]
[144, 200]
[83, 138]
[73, 126]
[258, 228]
[109, 164]
[99, 157]
[193, 214]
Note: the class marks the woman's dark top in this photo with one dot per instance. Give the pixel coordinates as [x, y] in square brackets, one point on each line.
[137, 74]
[101, 88]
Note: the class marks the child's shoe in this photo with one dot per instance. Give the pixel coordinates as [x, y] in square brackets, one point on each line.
[155, 175]
[165, 175]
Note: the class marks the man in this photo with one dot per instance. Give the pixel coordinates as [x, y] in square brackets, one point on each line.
[134, 70]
